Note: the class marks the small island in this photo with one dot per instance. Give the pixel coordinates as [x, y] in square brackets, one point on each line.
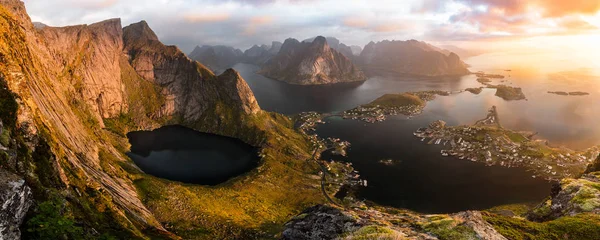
[475, 91]
[409, 103]
[569, 93]
[487, 142]
[509, 93]
[503, 91]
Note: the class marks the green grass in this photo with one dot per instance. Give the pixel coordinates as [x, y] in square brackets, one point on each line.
[374, 232]
[397, 100]
[257, 203]
[449, 229]
[580, 227]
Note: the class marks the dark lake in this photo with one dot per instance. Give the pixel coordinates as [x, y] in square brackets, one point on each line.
[181, 154]
[422, 179]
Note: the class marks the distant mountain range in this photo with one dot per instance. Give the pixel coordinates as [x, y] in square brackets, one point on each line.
[331, 61]
[410, 57]
[311, 63]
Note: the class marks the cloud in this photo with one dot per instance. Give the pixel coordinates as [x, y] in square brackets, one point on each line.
[93, 4]
[550, 8]
[355, 22]
[388, 27]
[243, 23]
[577, 24]
[259, 20]
[255, 22]
[206, 18]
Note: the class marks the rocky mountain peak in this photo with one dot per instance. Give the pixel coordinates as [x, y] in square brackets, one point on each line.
[320, 43]
[140, 32]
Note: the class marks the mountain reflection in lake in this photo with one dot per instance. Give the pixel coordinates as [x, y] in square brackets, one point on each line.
[182, 154]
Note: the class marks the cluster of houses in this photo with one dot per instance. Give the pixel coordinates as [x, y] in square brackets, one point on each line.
[478, 145]
[308, 121]
[379, 113]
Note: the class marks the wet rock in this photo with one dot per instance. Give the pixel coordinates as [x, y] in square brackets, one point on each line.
[16, 199]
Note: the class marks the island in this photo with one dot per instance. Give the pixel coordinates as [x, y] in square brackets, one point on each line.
[569, 93]
[509, 93]
[409, 104]
[503, 91]
[488, 142]
[474, 90]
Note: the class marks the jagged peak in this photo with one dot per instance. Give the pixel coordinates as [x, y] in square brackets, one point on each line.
[320, 40]
[140, 31]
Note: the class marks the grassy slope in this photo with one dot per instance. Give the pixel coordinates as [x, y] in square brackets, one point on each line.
[397, 100]
[253, 204]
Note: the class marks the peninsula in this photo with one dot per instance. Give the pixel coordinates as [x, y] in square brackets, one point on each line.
[487, 142]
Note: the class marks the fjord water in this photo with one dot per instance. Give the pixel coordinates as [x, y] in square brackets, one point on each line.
[185, 155]
[421, 179]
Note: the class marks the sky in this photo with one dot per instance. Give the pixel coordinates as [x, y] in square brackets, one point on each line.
[568, 25]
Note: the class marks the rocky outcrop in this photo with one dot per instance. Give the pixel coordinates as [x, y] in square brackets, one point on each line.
[570, 197]
[411, 58]
[320, 222]
[15, 200]
[342, 48]
[310, 64]
[217, 58]
[94, 71]
[189, 87]
[475, 221]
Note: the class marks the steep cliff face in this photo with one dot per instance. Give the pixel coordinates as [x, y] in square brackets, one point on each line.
[190, 88]
[94, 70]
[410, 57]
[311, 63]
[335, 43]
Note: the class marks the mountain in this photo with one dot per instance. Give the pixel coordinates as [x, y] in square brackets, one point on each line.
[335, 44]
[309, 63]
[217, 58]
[69, 95]
[410, 57]
[462, 52]
[356, 50]
[258, 55]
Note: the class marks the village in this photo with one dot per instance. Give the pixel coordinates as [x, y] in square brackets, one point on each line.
[487, 142]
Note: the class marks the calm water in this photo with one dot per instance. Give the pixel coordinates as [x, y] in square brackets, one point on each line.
[182, 154]
[423, 180]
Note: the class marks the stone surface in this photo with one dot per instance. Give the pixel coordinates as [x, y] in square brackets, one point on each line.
[15, 197]
[474, 220]
[319, 222]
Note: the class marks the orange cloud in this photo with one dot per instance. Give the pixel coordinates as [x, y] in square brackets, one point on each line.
[259, 20]
[95, 4]
[388, 27]
[355, 22]
[550, 8]
[558, 8]
[203, 18]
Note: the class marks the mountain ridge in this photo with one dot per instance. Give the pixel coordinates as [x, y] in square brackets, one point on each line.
[311, 63]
